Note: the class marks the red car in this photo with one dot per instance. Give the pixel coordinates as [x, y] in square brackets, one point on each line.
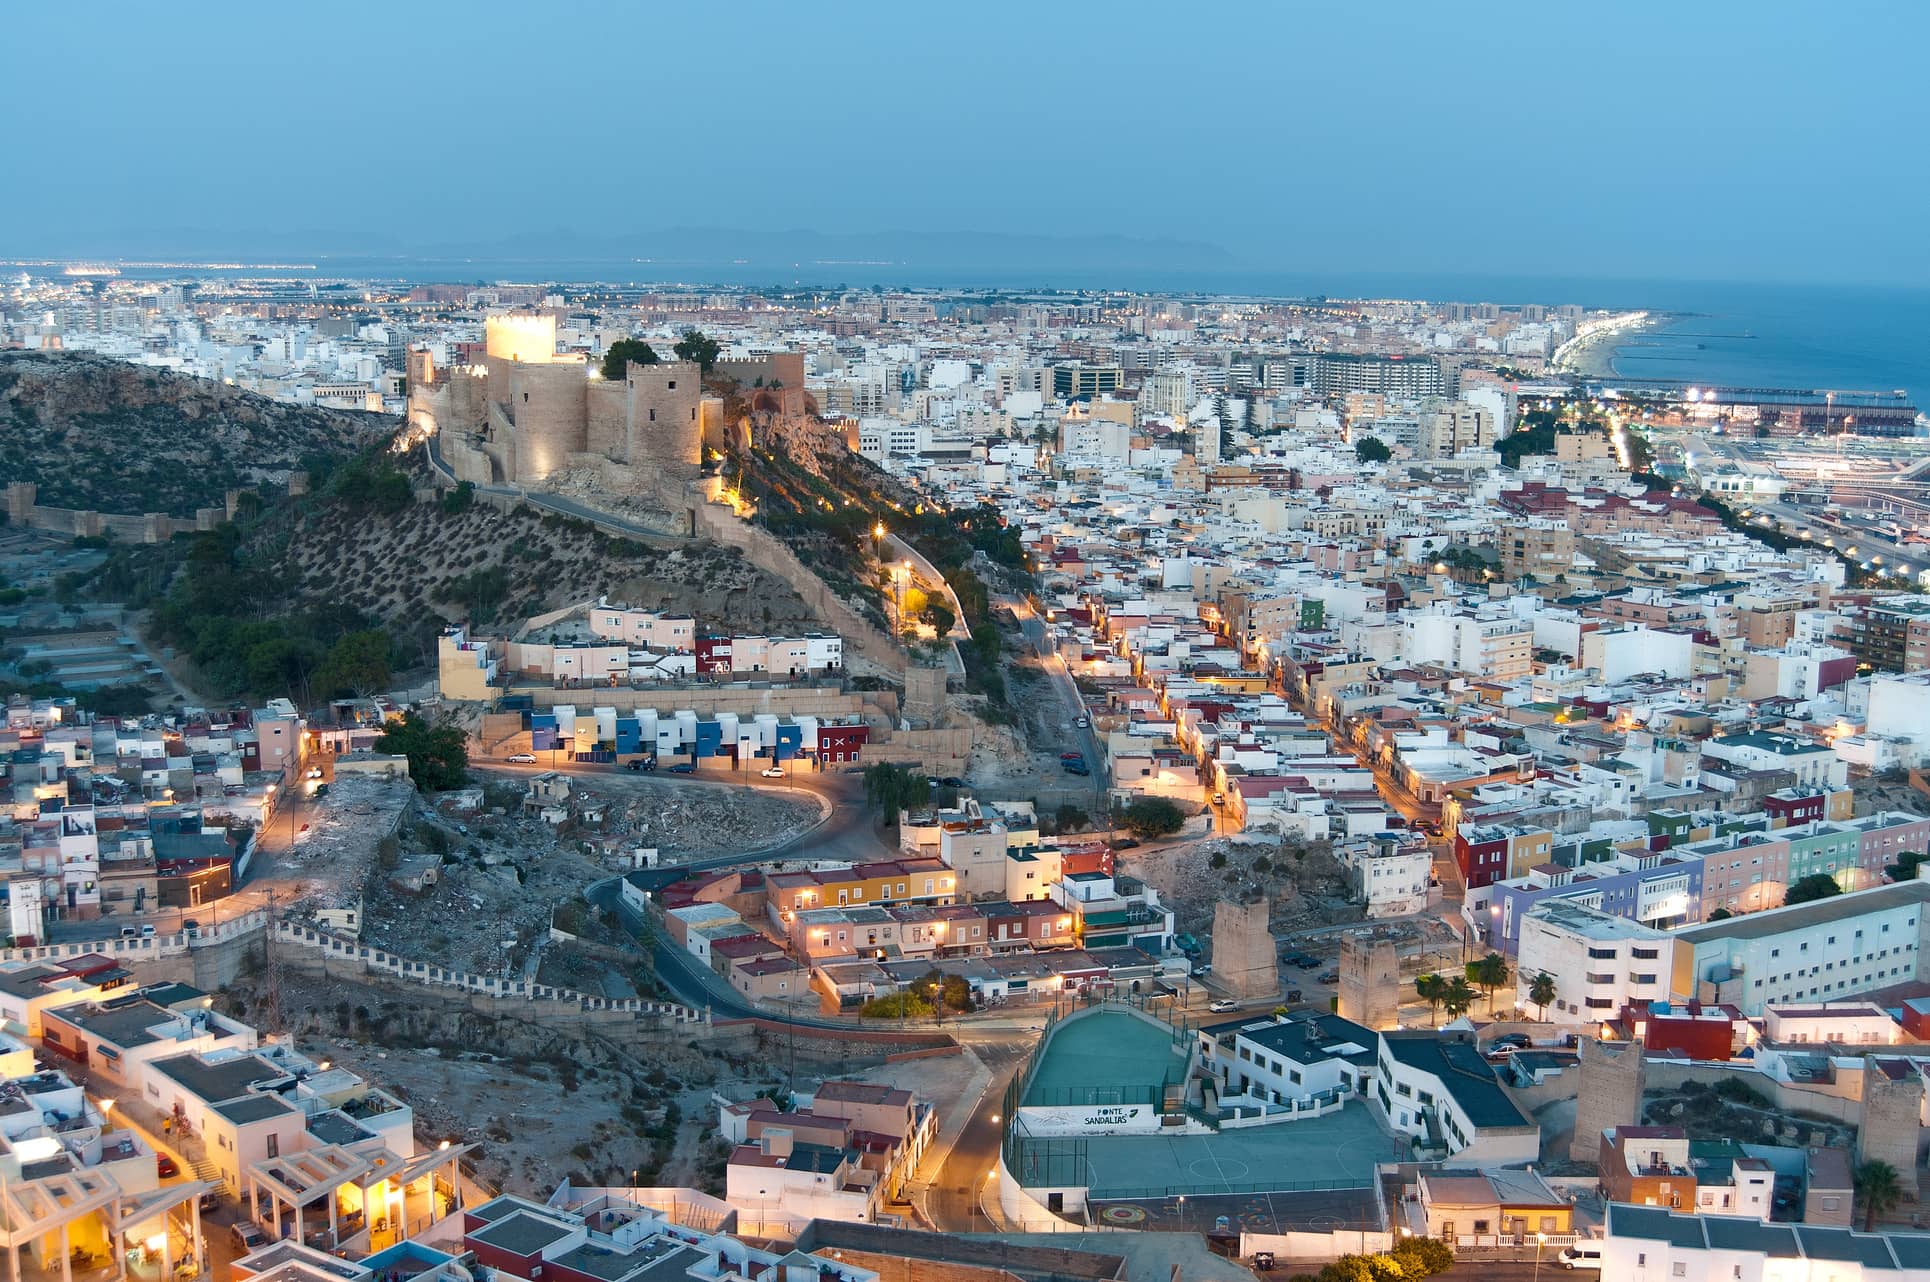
[166, 1166]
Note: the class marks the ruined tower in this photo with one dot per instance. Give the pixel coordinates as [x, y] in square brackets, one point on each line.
[1609, 1094]
[1888, 1117]
[1370, 982]
[1243, 959]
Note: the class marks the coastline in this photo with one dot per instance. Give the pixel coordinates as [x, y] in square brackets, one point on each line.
[1592, 355]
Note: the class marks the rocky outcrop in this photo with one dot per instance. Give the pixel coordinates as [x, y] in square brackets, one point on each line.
[99, 434]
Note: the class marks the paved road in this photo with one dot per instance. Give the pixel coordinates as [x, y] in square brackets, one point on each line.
[952, 1203]
[1045, 645]
[553, 502]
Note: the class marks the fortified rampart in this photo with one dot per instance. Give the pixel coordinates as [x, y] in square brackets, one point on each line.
[150, 527]
[768, 552]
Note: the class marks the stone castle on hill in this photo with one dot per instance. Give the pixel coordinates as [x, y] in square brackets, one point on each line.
[527, 412]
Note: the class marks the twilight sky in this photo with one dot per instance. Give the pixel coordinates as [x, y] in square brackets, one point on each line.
[1708, 139]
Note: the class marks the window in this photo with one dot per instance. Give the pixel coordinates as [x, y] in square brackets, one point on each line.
[1680, 1269]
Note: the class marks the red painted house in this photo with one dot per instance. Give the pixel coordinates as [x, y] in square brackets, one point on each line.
[1690, 1029]
[1792, 810]
[713, 655]
[1482, 861]
[841, 743]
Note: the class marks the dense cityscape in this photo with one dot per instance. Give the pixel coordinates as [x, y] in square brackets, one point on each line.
[1312, 674]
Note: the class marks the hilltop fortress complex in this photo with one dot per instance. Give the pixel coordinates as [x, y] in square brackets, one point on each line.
[528, 412]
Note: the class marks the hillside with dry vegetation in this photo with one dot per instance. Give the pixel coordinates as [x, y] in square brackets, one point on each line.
[101, 434]
[343, 589]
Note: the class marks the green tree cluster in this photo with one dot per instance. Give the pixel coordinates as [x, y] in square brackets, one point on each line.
[370, 481]
[890, 788]
[212, 612]
[438, 755]
[1413, 1259]
[628, 351]
[1818, 885]
[1371, 449]
[1488, 974]
[1152, 817]
[903, 1005]
[697, 346]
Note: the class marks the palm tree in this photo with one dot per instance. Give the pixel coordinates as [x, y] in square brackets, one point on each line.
[1541, 991]
[1488, 974]
[1431, 988]
[1879, 1189]
[1457, 997]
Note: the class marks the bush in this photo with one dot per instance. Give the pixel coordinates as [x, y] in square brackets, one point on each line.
[896, 1006]
[1152, 817]
[1741, 1092]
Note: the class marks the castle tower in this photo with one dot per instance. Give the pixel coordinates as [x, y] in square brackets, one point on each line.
[420, 366]
[20, 501]
[662, 426]
[549, 404]
[1243, 957]
[524, 338]
[1609, 1094]
[1370, 982]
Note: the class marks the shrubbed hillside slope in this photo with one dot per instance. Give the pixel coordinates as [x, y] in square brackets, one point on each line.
[336, 590]
[492, 567]
[97, 433]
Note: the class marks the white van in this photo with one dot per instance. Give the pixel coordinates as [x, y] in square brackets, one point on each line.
[1583, 1253]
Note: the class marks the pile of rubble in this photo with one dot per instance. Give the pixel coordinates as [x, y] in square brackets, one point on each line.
[1306, 885]
[329, 857]
[478, 883]
[686, 821]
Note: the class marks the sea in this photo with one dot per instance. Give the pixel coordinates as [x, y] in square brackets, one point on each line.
[1809, 337]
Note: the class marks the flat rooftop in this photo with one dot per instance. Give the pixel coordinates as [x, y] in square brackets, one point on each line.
[1775, 921]
[1316, 1154]
[1106, 1057]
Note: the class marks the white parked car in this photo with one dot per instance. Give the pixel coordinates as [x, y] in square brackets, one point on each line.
[522, 758]
[1222, 1006]
[1583, 1253]
[773, 772]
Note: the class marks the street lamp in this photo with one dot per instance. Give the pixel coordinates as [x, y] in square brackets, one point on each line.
[1540, 1239]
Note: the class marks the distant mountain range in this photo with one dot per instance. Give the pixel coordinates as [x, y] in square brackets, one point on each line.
[913, 251]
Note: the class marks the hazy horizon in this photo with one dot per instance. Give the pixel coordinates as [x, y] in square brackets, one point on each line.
[1721, 142]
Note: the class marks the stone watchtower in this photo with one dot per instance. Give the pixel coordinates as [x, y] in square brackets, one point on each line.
[662, 428]
[1888, 1118]
[924, 695]
[1609, 1094]
[1370, 982]
[1243, 958]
